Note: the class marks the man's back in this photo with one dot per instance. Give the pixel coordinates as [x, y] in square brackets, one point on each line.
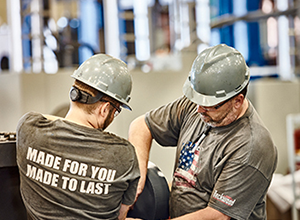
[72, 171]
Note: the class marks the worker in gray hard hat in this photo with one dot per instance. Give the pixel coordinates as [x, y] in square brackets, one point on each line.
[70, 168]
[225, 155]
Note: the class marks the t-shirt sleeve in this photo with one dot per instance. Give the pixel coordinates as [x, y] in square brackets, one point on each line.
[165, 122]
[238, 190]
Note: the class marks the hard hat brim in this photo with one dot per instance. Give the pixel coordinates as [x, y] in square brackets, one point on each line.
[207, 100]
[126, 106]
[202, 100]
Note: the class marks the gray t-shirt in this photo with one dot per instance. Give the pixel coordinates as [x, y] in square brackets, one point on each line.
[69, 171]
[230, 170]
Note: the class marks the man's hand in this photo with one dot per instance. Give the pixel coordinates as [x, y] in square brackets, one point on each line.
[140, 187]
[123, 212]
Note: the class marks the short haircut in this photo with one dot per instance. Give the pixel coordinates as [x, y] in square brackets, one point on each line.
[89, 108]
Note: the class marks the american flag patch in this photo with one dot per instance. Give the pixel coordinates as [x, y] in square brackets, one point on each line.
[186, 156]
[187, 167]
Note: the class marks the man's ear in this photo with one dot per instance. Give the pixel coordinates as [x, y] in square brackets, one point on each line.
[103, 109]
[238, 100]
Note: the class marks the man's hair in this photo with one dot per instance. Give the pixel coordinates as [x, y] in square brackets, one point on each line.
[89, 108]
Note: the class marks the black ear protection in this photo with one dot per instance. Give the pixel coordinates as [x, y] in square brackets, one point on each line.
[83, 97]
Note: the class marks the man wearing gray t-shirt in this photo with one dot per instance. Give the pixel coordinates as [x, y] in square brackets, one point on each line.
[225, 155]
[70, 168]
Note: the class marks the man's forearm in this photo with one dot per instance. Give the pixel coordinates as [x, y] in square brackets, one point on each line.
[123, 212]
[204, 214]
[141, 138]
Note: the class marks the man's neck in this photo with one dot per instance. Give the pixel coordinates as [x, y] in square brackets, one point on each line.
[78, 119]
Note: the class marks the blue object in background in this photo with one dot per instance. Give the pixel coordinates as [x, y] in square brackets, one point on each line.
[26, 31]
[255, 51]
[91, 20]
[226, 32]
[252, 50]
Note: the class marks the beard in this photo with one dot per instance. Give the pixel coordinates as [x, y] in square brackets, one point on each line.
[216, 121]
[208, 120]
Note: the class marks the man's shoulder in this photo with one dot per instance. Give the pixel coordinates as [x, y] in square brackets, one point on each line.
[28, 117]
[31, 115]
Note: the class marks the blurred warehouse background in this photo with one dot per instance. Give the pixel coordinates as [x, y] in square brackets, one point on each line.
[43, 41]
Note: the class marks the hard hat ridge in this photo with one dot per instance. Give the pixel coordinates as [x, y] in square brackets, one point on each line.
[215, 55]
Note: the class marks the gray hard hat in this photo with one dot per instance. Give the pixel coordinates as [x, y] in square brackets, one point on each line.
[217, 74]
[107, 75]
